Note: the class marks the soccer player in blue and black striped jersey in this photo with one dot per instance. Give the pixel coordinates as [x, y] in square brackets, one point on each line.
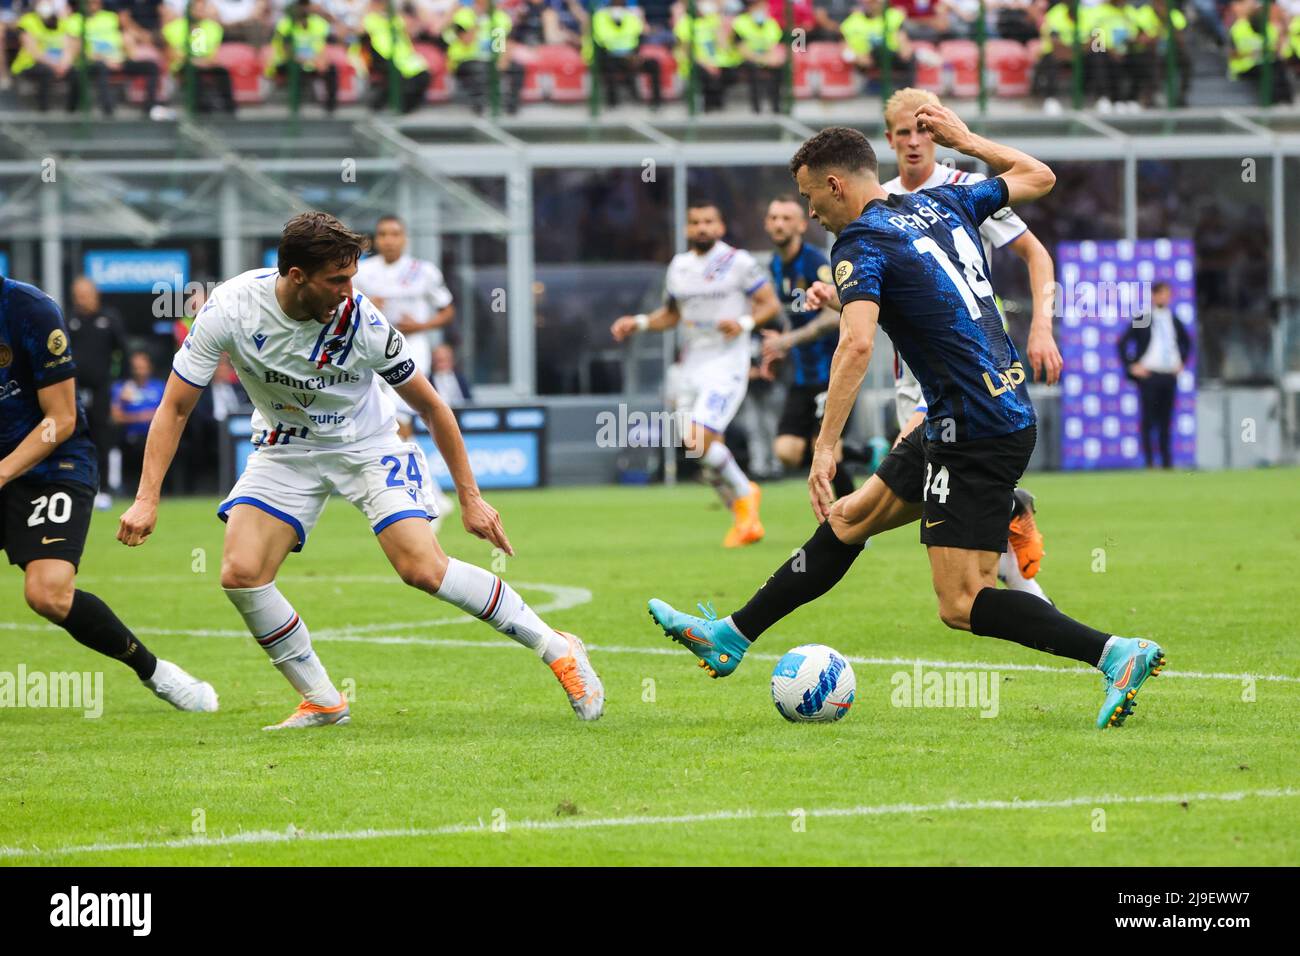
[809, 345]
[912, 264]
[49, 473]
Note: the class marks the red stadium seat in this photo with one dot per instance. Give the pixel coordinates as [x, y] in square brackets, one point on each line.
[836, 79]
[801, 62]
[1008, 62]
[929, 66]
[961, 61]
[670, 84]
[246, 71]
[528, 58]
[561, 70]
[349, 81]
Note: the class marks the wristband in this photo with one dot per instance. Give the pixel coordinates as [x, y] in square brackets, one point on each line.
[746, 323]
[642, 322]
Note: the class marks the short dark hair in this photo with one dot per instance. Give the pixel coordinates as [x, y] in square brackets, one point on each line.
[315, 240]
[836, 147]
[1162, 285]
[703, 202]
[389, 217]
[786, 197]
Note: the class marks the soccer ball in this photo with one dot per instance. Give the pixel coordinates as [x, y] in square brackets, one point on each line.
[813, 682]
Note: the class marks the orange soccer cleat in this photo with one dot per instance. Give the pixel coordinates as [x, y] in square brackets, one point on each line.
[747, 528]
[1024, 534]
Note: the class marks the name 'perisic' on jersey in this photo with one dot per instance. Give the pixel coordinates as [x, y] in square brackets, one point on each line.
[919, 256]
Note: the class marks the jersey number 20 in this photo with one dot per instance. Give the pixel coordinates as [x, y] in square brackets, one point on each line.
[973, 286]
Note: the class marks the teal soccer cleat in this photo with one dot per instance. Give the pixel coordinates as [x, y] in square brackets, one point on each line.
[1127, 665]
[717, 644]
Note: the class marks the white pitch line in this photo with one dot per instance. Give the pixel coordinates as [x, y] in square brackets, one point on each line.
[362, 634]
[293, 834]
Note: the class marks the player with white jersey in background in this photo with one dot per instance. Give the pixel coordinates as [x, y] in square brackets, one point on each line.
[414, 296]
[310, 352]
[1004, 229]
[717, 295]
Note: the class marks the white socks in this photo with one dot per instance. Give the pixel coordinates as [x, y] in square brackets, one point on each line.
[281, 633]
[490, 599]
[1009, 572]
[720, 459]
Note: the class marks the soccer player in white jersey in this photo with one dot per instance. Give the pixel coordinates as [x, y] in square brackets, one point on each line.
[1004, 229]
[310, 352]
[413, 295]
[717, 294]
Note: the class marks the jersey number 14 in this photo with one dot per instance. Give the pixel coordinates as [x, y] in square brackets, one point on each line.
[973, 286]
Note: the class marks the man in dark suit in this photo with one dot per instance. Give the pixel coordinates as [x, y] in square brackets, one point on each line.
[1154, 350]
[447, 380]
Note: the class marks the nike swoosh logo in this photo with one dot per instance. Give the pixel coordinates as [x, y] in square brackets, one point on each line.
[693, 637]
[931, 524]
[52, 540]
[1128, 672]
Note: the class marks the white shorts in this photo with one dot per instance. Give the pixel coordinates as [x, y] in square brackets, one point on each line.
[711, 396]
[387, 480]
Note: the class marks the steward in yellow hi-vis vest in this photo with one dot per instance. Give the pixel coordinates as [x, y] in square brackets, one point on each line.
[385, 46]
[1248, 37]
[868, 31]
[700, 38]
[108, 50]
[203, 42]
[475, 41]
[756, 38]
[615, 45]
[300, 37]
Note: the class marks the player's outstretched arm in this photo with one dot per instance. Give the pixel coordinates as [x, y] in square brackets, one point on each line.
[178, 401]
[848, 368]
[479, 517]
[664, 317]
[59, 406]
[1026, 178]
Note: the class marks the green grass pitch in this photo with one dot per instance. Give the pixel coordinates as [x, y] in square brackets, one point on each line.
[463, 750]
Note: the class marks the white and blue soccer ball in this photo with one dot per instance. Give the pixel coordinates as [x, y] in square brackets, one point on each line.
[813, 682]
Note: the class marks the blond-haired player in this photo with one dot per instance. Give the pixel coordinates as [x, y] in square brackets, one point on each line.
[917, 169]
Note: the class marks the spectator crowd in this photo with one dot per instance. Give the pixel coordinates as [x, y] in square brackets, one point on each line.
[414, 52]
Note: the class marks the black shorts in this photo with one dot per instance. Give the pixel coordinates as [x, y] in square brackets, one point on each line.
[801, 415]
[44, 519]
[966, 487]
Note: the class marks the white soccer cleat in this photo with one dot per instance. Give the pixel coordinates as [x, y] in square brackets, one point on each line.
[314, 715]
[181, 690]
[579, 679]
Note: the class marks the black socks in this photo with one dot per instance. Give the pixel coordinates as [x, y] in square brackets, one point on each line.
[1021, 617]
[842, 483]
[812, 571]
[92, 623]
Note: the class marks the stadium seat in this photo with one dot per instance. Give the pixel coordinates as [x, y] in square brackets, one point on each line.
[961, 62]
[560, 70]
[670, 83]
[1008, 63]
[929, 66]
[246, 71]
[802, 75]
[533, 89]
[835, 78]
[351, 83]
